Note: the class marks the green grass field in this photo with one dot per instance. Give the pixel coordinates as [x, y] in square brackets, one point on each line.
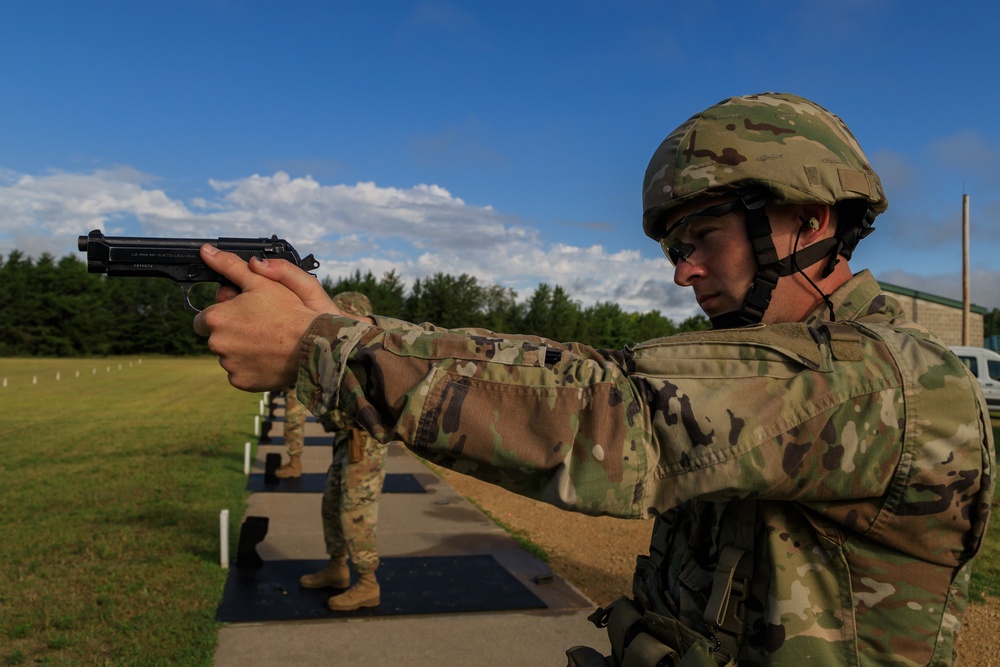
[111, 484]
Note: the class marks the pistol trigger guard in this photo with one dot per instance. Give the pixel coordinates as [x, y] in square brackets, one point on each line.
[186, 288]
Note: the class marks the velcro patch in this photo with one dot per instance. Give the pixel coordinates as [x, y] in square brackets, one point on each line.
[845, 342]
[854, 181]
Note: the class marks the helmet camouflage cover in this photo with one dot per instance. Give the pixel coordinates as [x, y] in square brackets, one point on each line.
[354, 303]
[794, 148]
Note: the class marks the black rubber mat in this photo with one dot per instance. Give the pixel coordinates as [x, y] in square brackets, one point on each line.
[409, 585]
[315, 482]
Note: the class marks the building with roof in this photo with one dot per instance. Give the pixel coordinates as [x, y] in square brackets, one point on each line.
[941, 315]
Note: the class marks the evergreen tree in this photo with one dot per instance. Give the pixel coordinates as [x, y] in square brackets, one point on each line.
[385, 294]
[446, 301]
[538, 313]
[15, 303]
[695, 323]
[647, 326]
[564, 314]
[551, 313]
[605, 325]
[57, 308]
[991, 323]
[500, 310]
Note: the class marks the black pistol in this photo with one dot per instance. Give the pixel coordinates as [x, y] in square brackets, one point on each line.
[178, 259]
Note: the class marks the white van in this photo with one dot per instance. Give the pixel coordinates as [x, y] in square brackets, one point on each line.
[985, 365]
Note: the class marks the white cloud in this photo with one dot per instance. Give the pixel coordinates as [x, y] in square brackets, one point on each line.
[415, 231]
[918, 241]
[423, 230]
[44, 213]
[967, 151]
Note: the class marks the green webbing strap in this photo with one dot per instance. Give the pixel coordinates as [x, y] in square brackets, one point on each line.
[725, 612]
[722, 586]
[662, 525]
[758, 228]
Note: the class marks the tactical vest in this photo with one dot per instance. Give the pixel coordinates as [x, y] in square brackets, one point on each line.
[646, 632]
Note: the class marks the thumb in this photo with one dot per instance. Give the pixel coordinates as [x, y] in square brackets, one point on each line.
[226, 264]
[304, 285]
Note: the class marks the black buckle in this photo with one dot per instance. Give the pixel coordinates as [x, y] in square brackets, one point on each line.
[600, 617]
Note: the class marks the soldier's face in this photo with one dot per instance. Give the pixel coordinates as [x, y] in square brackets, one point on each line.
[713, 255]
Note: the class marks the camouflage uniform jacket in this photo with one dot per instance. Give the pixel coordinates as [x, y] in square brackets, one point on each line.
[866, 443]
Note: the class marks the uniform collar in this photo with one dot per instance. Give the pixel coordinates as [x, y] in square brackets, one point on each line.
[859, 297]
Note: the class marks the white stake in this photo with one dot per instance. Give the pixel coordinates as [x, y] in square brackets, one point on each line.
[57, 376]
[34, 379]
[224, 539]
[246, 459]
[262, 407]
[256, 425]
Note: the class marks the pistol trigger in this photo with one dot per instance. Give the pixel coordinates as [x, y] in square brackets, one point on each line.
[186, 288]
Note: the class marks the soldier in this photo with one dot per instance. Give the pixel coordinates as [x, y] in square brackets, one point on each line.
[295, 435]
[350, 500]
[820, 468]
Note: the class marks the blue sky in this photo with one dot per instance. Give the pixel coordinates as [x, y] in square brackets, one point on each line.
[506, 140]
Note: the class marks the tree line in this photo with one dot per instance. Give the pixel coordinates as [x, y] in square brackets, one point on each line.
[54, 308]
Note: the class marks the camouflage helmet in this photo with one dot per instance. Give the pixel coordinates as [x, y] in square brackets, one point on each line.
[794, 148]
[353, 303]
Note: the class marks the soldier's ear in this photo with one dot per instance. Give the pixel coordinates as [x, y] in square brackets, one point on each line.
[816, 220]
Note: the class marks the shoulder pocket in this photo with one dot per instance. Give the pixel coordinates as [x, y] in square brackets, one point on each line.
[425, 344]
[781, 350]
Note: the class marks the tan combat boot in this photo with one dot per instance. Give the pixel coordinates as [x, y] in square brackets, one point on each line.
[334, 575]
[291, 469]
[365, 593]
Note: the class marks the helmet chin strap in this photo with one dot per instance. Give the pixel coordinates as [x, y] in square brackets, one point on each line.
[770, 268]
[759, 297]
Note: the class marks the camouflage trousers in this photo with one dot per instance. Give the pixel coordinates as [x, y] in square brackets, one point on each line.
[295, 424]
[350, 502]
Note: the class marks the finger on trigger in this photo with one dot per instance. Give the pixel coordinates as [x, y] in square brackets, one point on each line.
[226, 264]
[286, 273]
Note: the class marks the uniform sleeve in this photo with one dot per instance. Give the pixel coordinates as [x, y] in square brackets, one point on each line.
[715, 415]
[559, 423]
